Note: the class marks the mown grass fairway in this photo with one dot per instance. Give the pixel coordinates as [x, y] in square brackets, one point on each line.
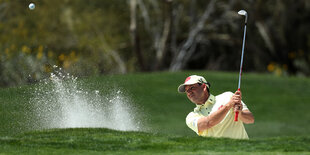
[280, 106]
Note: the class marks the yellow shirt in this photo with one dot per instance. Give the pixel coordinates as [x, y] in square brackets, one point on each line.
[226, 128]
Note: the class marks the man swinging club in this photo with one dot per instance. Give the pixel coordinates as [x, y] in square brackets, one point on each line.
[214, 115]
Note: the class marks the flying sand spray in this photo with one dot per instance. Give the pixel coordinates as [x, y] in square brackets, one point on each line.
[61, 102]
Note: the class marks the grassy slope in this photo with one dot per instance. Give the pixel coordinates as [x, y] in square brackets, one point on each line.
[110, 141]
[280, 106]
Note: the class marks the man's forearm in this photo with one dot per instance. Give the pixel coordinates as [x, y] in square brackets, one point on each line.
[246, 117]
[213, 119]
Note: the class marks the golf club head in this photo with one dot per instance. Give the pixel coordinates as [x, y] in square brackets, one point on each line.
[243, 13]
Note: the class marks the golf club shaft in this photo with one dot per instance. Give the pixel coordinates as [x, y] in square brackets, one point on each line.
[241, 64]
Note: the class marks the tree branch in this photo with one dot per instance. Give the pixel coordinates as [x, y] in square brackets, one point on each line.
[179, 61]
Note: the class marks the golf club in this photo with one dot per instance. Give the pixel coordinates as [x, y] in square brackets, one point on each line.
[242, 13]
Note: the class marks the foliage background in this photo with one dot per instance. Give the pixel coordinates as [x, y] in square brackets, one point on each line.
[124, 36]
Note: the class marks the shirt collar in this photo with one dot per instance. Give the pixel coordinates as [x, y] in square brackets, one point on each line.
[210, 100]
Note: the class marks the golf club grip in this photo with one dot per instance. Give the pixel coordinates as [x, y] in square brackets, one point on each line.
[236, 116]
[237, 112]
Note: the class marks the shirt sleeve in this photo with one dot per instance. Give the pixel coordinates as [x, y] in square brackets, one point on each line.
[192, 121]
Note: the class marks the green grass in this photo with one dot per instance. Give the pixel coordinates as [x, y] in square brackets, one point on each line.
[111, 141]
[280, 106]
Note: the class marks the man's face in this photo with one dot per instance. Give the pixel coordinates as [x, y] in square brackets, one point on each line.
[196, 93]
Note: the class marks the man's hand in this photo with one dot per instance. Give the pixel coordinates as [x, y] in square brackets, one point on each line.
[237, 97]
[245, 116]
[235, 101]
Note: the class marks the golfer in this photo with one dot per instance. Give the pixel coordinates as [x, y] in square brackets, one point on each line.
[214, 115]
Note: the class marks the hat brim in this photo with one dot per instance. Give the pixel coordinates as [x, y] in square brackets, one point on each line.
[181, 88]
